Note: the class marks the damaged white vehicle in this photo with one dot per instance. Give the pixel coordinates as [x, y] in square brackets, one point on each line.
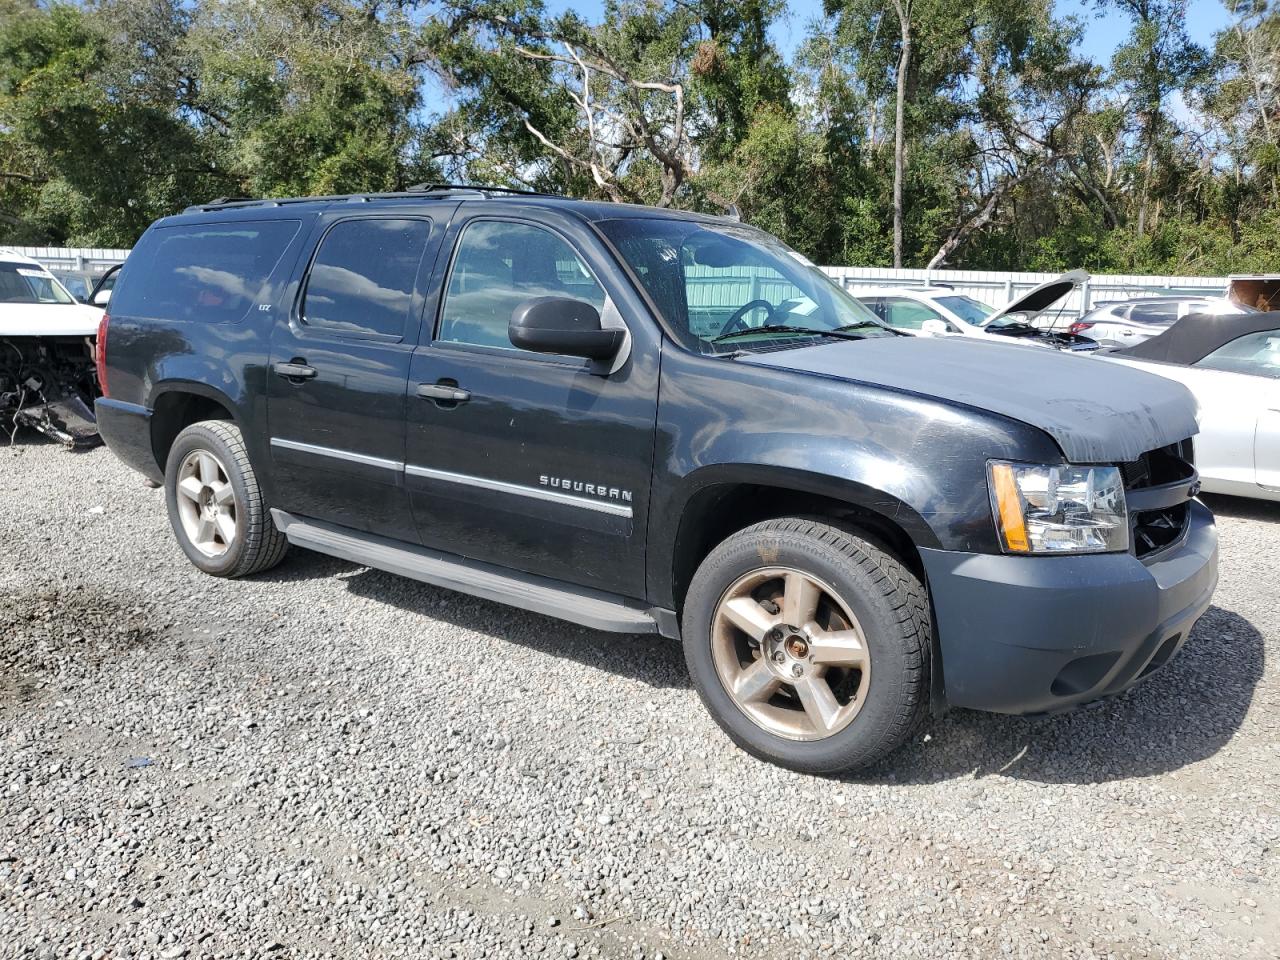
[48, 374]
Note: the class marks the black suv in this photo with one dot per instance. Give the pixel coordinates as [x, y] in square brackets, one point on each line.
[649, 421]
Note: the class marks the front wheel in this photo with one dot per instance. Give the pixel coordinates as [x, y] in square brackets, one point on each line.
[809, 645]
[215, 504]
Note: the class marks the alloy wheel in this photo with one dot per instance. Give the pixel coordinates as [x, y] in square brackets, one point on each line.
[790, 653]
[206, 503]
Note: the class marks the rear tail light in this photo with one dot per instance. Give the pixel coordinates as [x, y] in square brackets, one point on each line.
[100, 350]
[1079, 327]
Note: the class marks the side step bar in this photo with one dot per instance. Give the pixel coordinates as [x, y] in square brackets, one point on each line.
[590, 608]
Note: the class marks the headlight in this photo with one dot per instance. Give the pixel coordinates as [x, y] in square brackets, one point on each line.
[1064, 509]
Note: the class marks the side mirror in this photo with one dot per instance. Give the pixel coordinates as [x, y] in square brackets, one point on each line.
[99, 298]
[934, 328]
[565, 326]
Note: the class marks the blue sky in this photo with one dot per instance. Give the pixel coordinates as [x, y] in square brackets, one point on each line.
[1102, 31]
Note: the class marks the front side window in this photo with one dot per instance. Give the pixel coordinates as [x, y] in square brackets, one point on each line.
[23, 284]
[501, 264]
[361, 281]
[903, 314]
[1257, 354]
[727, 287]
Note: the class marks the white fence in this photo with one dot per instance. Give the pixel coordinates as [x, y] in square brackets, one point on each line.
[96, 259]
[995, 287]
[998, 287]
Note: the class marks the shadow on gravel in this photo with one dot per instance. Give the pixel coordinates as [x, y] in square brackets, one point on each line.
[1242, 508]
[650, 659]
[1185, 712]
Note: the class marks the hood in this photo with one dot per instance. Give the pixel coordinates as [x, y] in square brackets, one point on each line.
[49, 320]
[1096, 412]
[1039, 299]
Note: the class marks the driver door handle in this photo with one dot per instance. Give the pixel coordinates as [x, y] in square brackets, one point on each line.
[443, 391]
[293, 371]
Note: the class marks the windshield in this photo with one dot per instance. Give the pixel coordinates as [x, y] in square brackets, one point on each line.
[725, 288]
[23, 284]
[967, 309]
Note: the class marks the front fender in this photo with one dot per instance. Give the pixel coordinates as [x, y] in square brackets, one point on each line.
[918, 462]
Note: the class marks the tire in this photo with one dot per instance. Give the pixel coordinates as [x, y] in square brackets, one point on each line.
[232, 534]
[870, 638]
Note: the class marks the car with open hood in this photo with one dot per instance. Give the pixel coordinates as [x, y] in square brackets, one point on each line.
[938, 310]
[48, 377]
[648, 421]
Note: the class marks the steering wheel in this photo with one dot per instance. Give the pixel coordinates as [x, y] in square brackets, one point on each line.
[734, 321]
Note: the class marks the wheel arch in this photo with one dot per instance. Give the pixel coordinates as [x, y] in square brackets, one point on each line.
[177, 404]
[721, 502]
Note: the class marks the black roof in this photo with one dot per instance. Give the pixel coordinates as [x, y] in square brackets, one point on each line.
[1197, 335]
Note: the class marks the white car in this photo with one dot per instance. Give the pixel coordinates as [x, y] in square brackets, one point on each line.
[1231, 363]
[48, 378]
[940, 311]
[1126, 323]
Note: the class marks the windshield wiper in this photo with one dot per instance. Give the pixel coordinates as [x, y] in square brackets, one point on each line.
[784, 328]
[863, 324]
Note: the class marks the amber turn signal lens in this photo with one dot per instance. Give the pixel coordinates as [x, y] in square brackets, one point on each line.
[1009, 507]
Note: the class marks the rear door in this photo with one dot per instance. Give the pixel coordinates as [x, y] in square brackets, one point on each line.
[339, 364]
[543, 463]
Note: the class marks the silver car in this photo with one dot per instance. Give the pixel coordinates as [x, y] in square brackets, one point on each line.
[1126, 323]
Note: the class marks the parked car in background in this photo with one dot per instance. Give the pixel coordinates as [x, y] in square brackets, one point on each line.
[48, 380]
[1125, 323]
[1231, 363]
[655, 421]
[88, 286]
[938, 310]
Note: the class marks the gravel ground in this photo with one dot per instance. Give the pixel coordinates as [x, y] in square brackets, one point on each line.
[331, 761]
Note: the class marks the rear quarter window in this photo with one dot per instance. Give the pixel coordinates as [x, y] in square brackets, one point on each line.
[207, 272]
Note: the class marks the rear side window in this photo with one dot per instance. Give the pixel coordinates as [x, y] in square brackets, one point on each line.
[361, 281]
[210, 272]
[1154, 313]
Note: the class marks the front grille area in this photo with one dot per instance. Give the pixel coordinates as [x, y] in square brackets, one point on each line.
[1160, 478]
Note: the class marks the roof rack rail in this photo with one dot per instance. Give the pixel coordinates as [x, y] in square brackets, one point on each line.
[416, 191]
[477, 188]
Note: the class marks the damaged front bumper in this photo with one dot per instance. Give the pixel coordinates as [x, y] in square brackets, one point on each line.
[48, 384]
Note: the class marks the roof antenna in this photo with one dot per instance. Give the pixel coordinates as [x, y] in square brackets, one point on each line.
[732, 212]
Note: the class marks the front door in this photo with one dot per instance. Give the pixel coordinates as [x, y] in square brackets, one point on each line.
[532, 461]
[339, 364]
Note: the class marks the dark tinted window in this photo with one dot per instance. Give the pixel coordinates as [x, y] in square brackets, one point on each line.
[361, 282]
[209, 272]
[1154, 313]
[500, 265]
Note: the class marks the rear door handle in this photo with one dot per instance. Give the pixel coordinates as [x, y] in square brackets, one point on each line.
[293, 371]
[443, 391]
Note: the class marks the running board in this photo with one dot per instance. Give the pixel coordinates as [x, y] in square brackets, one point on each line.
[581, 605]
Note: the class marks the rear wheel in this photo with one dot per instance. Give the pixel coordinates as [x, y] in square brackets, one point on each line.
[215, 504]
[809, 645]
